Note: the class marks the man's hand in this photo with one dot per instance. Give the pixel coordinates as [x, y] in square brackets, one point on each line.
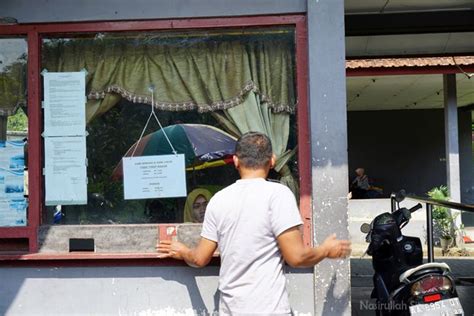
[197, 257]
[171, 249]
[297, 255]
[335, 248]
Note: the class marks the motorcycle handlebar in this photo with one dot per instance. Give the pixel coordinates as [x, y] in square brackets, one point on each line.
[402, 218]
[415, 208]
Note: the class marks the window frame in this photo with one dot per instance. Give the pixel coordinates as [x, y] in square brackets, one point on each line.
[34, 34]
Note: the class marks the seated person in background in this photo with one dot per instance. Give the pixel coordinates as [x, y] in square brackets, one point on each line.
[360, 184]
[196, 204]
[361, 188]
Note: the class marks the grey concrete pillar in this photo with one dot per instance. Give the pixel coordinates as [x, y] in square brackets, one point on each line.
[328, 123]
[451, 134]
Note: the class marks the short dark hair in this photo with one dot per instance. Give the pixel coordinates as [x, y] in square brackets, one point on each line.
[254, 150]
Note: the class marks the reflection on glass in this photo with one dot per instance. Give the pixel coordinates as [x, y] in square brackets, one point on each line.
[13, 131]
[13, 81]
[233, 80]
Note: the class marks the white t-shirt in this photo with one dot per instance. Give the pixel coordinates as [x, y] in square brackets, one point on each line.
[245, 220]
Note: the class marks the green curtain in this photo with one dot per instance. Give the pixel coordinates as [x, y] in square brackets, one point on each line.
[190, 75]
[254, 115]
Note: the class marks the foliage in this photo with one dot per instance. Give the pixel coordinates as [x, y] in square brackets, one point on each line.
[18, 122]
[441, 215]
[13, 82]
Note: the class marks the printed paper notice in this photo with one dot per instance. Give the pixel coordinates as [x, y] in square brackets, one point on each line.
[64, 103]
[149, 177]
[65, 170]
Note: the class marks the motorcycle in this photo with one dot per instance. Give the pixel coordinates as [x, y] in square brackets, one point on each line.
[403, 285]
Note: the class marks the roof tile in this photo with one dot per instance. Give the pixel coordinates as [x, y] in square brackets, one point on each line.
[410, 62]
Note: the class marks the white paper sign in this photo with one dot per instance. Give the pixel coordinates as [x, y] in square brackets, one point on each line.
[65, 170]
[149, 177]
[64, 103]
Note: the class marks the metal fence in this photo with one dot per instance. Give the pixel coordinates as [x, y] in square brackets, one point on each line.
[429, 214]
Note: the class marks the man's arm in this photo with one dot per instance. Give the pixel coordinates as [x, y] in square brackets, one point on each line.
[297, 255]
[196, 257]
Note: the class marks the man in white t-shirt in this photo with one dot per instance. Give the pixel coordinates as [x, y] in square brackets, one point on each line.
[255, 224]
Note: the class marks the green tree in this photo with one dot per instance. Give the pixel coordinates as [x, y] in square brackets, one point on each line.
[18, 122]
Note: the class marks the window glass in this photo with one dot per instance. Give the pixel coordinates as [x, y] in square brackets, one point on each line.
[207, 87]
[13, 130]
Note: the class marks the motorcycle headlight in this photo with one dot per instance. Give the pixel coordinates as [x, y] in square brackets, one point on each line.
[431, 284]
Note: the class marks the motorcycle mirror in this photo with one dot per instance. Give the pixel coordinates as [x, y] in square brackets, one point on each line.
[365, 228]
[400, 196]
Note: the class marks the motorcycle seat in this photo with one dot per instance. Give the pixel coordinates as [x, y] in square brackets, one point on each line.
[404, 277]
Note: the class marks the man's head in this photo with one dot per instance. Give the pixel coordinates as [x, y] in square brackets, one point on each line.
[360, 171]
[254, 152]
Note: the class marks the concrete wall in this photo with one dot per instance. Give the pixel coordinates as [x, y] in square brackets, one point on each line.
[93, 10]
[140, 238]
[405, 149]
[131, 290]
[466, 157]
[126, 291]
[466, 164]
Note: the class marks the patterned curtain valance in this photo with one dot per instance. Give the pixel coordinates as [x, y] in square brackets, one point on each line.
[197, 75]
[191, 105]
